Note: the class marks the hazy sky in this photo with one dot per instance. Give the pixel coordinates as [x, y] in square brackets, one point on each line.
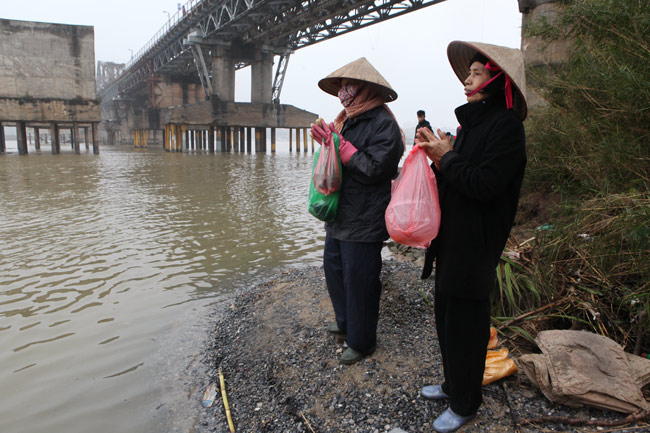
[409, 51]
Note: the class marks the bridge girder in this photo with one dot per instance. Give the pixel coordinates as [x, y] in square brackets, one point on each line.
[281, 26]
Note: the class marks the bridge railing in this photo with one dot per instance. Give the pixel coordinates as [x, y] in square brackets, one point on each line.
[171, 22]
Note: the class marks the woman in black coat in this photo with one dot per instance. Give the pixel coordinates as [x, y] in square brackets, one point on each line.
[371, 145]
[479, 179]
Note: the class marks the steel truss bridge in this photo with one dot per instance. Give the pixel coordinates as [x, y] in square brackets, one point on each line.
[277, 26]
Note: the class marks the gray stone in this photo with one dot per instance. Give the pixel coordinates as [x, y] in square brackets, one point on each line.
[526, 5]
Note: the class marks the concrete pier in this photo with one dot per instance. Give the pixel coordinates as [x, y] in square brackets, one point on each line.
[48, 78]
[2, 139]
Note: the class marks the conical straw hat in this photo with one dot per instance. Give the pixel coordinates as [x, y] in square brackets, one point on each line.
[361, 70]
[510, 60]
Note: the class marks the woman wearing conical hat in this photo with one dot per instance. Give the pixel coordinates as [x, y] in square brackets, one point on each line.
[479, 179]
[371, 145]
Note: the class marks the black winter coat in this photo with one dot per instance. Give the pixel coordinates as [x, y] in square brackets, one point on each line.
[365, 191]
[478, 186]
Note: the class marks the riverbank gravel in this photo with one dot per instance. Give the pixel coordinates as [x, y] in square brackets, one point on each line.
[283, 374]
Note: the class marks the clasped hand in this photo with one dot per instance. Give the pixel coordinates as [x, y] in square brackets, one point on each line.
[323, 133]
[434, 146]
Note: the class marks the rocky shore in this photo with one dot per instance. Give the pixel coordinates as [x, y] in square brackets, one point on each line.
[283, 375]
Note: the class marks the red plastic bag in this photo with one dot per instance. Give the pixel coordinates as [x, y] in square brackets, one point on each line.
[413, 214]
[327, 172]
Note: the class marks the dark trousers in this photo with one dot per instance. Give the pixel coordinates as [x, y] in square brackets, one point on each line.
[352, 274]
[463, 327]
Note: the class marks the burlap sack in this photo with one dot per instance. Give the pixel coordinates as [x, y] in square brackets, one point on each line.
[581, 368]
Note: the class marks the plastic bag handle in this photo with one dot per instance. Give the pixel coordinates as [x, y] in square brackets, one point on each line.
[415, 149]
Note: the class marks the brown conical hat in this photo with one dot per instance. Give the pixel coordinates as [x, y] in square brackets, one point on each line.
[510, 60]
[361, 70]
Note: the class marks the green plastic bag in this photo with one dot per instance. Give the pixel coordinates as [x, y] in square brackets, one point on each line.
[324, 207]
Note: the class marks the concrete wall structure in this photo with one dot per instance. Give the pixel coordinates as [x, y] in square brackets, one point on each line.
[169, 94]
[41, 60]
[537, 52]
[47, 78]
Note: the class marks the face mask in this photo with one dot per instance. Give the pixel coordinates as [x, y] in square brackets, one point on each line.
[347, 94]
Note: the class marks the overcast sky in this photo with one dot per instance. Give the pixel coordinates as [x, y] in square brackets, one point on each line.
[409, 51]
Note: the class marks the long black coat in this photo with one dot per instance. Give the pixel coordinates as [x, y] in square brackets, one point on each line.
[478, 186]
[365, 191]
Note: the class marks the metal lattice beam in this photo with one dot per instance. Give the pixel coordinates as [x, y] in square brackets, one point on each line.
[279, 25]
[204, 73]
[279, 77]
[354, 19]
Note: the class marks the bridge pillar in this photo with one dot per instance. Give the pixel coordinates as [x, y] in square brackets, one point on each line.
[171, 137]
[94, 129]
[222, 134]
[223, 74]
[211, 139]
[235, 139]
[228, 139]
[242, 139]
[258, 140]
[21, 137]
[3, 144]
[54, 138]
[37, 139]
[86, 137]
[262, 78]
[264, 140]
[74, 137]
[180, 131]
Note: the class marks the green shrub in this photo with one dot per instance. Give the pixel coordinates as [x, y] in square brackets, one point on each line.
[591, 145]
[594, 135]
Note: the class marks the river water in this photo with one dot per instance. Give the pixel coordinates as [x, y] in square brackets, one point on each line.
[108, 263]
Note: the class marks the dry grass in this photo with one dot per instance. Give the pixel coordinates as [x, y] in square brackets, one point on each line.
[590, 148]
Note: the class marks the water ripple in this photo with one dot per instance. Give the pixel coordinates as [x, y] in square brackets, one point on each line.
[100, 254]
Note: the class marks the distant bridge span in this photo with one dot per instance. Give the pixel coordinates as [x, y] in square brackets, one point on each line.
[206, 41]
[279, 26]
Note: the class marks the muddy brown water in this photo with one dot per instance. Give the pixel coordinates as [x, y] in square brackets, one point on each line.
[110, 264]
